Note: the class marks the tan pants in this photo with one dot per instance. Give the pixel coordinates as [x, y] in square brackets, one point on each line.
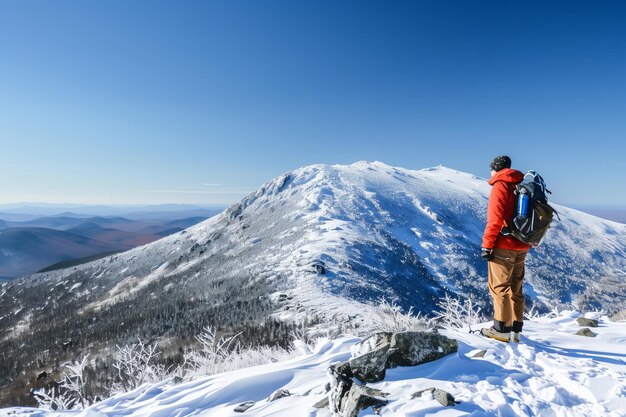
[506, 275]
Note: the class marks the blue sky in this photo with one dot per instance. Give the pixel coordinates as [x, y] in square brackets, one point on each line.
[201, 102]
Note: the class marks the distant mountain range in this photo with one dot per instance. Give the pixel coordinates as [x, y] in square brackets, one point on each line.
[615, 213]
[28, 249]
[321, 241]
[28, 246]
[28, 211]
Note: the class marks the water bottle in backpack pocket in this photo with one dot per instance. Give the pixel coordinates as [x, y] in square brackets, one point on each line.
[533, 214]
[522, 203]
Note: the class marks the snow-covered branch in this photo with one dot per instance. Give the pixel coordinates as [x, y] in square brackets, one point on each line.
[389, 317]
[136, 364]
[458, 313]
[70, 393]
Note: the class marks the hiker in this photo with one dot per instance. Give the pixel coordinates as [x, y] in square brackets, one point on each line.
[505, 254]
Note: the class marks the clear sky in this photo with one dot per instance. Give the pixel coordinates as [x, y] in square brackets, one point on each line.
[202, 101]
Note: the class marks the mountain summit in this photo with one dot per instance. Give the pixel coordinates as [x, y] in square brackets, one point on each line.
[323, 240]
[369, 230]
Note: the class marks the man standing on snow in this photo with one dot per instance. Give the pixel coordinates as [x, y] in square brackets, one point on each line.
[506, 255]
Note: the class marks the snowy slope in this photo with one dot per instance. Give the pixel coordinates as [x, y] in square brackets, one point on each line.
[325, 240]
[551, 373]
[377, 231]
[385, 231]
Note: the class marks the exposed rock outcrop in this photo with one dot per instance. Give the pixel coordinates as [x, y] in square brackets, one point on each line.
[480, 354]
[278, 394]
[414, 348]
[370, 360]
[243, 407]
[445, 398]
[361, 397]
[585, 332]
[382, 351]
[587, 322]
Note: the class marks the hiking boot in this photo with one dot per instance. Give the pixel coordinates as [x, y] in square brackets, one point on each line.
[515, 337]
[492, 333]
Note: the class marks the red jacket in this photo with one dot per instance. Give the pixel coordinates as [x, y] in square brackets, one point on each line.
[500, 210]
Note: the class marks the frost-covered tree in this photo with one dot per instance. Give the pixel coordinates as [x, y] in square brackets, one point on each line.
[52, 399]
[458, 313]
[212, 352]
[70, 393]
[302, 340]
[136, 364]
[74, 380]
[215, 355]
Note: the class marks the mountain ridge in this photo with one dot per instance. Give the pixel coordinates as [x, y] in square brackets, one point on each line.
[323, 241]
[317, 199]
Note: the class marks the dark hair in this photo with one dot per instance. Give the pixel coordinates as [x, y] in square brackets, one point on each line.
[500, 162]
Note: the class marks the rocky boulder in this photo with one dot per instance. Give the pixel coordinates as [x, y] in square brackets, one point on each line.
[323, 403]
[585, 332]
[243, 407]
[346, 398]
[361, 397]
[281, 393]
[414, 348]
[445, 398]
[480, 354]
[382, 351]
[370, 360]
[340, 384]
[586, 322]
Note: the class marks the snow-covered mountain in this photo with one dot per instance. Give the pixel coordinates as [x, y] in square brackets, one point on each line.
[321, 240]
[553, 372]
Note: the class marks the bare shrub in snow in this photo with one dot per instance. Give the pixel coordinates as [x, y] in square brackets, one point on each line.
[53, 399]
[302, 341]
[70, 394]
[224, 354]
[212, 353]
[347, 325]
[389, 317]
[74, 380]
[247, 357]
[619, 316]
[458, 313]
[535, 315]
[136, 364]
[555, 313]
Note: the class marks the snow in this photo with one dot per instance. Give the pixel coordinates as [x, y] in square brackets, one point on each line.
[21, 327]
[129, 286]
[425, 224]
[334, 214]
[552, 372]
[438, 213]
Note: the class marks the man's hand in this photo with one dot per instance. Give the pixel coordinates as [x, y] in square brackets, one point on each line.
[486, 254]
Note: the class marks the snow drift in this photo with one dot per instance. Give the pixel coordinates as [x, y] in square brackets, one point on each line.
[551, 373]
